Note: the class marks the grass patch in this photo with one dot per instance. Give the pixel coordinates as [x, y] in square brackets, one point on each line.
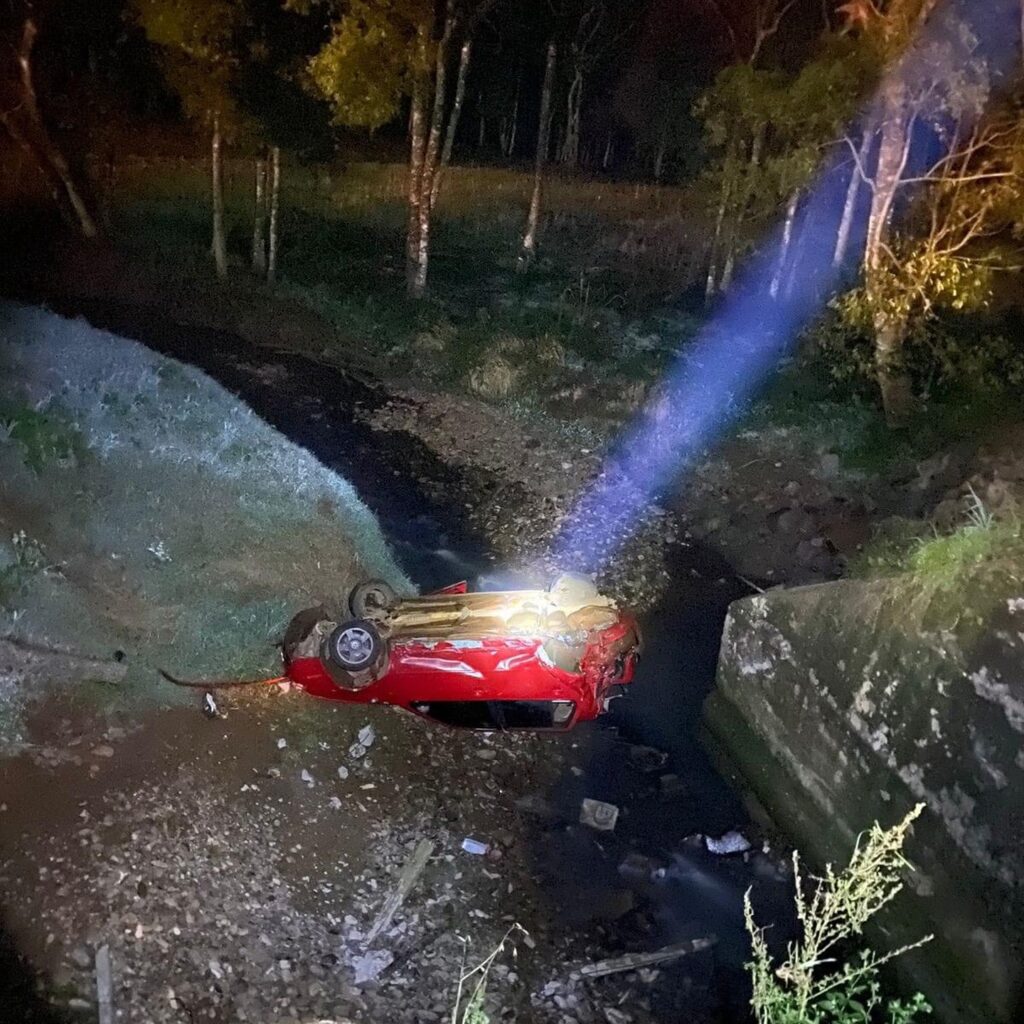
[19, 566]
[802, 398]
[983, 545]
[45, 437]
[595, 293]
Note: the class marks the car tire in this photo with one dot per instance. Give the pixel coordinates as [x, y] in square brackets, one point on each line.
[372, 599]
[355, 647]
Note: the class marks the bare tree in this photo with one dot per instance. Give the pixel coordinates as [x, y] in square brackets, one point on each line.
[747, 38]
[589, 43]
[218, 245]
[852, 196]
[21, 117]
[429, 115]
[275, 212]
[259, 214]
[529, 248]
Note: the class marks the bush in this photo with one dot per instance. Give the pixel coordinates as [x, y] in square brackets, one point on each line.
[816, 983]
[943, 354]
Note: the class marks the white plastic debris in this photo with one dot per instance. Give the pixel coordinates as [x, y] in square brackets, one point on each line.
[342, 772]
[306, 777]
[598, 814]
[475, 846]
[367, 736]
[335, 803]
[731, 842]
[282, 743]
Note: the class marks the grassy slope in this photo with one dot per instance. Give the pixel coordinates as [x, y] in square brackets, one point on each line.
[154, 514]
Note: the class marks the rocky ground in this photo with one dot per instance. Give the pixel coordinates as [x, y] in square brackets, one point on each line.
[779, 507]
[233, 868]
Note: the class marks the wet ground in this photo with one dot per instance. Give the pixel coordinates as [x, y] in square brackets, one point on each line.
[675, 890]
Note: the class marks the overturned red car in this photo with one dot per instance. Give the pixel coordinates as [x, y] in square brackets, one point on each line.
[525, 659]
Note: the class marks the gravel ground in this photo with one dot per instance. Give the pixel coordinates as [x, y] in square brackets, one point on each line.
[233, 873]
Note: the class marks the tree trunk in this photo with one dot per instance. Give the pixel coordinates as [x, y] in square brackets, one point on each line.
[893, 380]
[510, 147]
[609, 149]
[219, 244]
[659, 158]
[746, 193]
[34, 137]
[453, 120]
[892, 157]
[784, 245]
[275, 212]
[529, 249]
[570, 149]
[417, 143]
[259, 217]
[716, 238]
[429, 164]
[850, 206]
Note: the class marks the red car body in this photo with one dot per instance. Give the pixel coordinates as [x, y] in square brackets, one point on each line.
[487, 681]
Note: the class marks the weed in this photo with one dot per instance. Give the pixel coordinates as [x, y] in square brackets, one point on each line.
[816, 983]
[472, 986]
[46, 437]
[28, 560]
[943, 561]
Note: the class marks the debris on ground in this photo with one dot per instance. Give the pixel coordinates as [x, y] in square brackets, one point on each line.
[730, 842]
[598, 814]
[475, 846]
[406, 880]
[635, 961]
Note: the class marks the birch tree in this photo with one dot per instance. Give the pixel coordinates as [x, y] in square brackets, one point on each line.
[197, 43]
[529, 248]
[935, 90]
[378, 54]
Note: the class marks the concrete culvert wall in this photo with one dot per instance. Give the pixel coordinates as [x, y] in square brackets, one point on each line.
[149, 518]
[849, 702]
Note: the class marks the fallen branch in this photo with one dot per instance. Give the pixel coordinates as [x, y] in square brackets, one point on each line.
[634, 961]
[406, 880]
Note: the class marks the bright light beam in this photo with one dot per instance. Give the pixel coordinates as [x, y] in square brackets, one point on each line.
[739, 348]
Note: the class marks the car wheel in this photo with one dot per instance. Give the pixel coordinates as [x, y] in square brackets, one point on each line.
[355, 646]
[372, 599]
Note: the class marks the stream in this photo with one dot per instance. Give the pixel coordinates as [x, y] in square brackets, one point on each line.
[680, 891]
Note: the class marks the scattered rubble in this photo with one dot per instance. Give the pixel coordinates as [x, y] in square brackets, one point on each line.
[599, 815]
[730, 842]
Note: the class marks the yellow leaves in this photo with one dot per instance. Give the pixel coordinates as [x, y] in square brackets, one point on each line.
[367, 65]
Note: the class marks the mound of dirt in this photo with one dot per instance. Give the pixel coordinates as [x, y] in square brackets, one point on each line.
[148, 518]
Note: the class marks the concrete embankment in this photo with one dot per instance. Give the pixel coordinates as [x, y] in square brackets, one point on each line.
[849, 702]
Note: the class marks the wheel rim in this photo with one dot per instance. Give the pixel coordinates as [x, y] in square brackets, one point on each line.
[355, 645]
